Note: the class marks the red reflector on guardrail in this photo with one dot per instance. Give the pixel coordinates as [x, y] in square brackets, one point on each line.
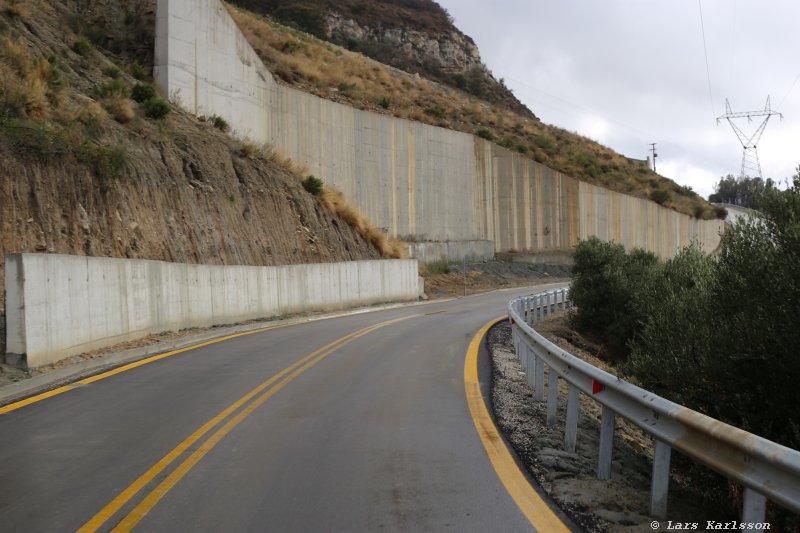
[597, 386]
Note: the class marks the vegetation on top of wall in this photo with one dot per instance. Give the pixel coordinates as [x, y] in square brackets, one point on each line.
[332, 72]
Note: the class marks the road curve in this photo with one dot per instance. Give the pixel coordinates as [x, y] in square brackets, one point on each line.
[357, 423]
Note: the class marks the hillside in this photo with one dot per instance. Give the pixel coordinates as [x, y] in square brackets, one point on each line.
[89, 170]
[324, 69]
[416, 36]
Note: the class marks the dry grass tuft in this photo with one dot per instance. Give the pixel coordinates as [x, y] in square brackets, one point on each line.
[16, 9]
[335, 202]
[120, 108]
[15, 55]
[36, 104]
[284, 161]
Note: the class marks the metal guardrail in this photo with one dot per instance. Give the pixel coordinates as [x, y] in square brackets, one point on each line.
[766, 469]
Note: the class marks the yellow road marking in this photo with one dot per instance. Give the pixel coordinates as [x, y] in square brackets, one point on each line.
[170, 481]
[86, 381]
[34, 399]
[538, 513]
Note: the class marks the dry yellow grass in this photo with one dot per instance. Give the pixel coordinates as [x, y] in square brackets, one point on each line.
[36, 104]
[120, 108]
[338, 74]
[15, 56]
[335, 202]
[16, 9]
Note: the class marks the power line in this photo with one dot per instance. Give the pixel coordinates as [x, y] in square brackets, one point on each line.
[780, 106]
[578, 110]
[705, 51]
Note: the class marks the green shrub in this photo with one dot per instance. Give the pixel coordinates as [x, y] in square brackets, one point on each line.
[138, 71]
[143, 92]
[346, 87]
[112, 71]
[35, 140]
[437, 267]
[659, 196]
[720, 212]
[219, 123]
[115, 87]
[435, 111]
[485, 133]
[385, 102]
[109, 165]
[156, 108]
[82, 46]
[543, 142]
[506, 142]
[313, 185]
[604, 278]
[305, 18]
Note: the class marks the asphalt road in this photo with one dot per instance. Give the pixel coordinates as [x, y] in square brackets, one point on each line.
[358, 423]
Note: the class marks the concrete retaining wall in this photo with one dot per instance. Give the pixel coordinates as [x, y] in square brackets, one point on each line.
[429, 252]
[418, 182]
[60, 305]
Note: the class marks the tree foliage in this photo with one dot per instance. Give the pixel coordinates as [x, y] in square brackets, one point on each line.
[718, 334]
[742, 191]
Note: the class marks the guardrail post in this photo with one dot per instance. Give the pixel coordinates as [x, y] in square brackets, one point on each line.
[530, 366]
[524, 311]
[659, 485]
[552, 397]
[555, 302]
[539, 307]
[563, 299]
[754, 507]
[605, 453]
[523, 354]
[571, 428]
[538, 379]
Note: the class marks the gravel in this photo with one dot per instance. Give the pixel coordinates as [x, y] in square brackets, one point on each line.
[617, 505]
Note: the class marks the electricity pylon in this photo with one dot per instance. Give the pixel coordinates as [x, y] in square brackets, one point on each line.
[751, 166]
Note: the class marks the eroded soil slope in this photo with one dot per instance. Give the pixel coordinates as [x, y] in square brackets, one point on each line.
[85, 169]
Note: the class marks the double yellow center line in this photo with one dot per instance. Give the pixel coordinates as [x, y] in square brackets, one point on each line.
[255, 397]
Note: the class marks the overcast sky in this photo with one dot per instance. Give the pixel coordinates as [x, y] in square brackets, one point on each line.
[632, 72]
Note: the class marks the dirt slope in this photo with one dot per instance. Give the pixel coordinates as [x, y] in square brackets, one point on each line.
[86, 170]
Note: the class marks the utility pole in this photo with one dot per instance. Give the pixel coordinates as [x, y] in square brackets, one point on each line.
[751, 166]
[653, 149]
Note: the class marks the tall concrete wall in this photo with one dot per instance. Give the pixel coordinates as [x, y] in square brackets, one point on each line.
[60, 305]
[418, 182]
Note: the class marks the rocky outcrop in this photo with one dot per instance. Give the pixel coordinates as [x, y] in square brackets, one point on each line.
[452, 50]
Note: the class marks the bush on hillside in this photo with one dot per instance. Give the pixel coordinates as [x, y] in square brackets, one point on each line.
[313, 185]
[156, 108]
[143, 92]
[305, 18]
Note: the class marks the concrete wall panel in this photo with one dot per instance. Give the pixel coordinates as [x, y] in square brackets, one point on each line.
[59, 305]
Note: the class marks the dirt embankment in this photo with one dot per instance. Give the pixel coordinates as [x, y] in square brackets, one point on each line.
[446, 280]
[86, 170]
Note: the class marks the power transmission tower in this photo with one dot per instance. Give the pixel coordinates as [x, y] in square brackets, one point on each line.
[751, 166]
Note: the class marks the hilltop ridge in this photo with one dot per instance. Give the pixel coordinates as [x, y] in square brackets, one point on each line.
[416, 36]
